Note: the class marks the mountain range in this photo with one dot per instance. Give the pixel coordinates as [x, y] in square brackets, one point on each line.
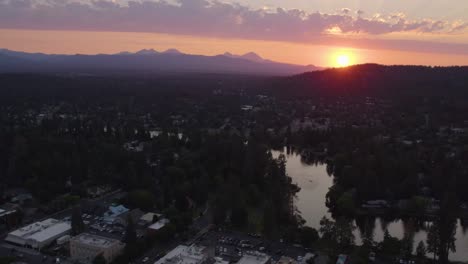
[146, 61]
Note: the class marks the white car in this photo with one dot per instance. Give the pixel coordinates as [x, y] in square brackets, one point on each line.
[145, 260]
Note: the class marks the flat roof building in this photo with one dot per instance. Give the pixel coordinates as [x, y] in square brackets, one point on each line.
[85, 247]
[158, 225]
[254, 257]
[39, 234]
[286, 260]
[185, 255]
[113, 213]
[147, 218]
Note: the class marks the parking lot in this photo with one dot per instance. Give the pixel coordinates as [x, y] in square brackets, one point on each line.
[231, 245]
[96, 225]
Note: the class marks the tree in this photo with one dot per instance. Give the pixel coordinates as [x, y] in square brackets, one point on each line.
[77, 221]
[308, 236]
[390, 245]
[130, 239]
[239, 216]
[421, 251]
[142, 199]
[447, 225]
[433, 242]
[99, 259]
[339, 234]
[155, 218]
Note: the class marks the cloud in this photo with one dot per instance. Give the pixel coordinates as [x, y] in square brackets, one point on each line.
[212, 19]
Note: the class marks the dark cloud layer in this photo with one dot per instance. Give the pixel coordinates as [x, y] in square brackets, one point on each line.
[217, 19]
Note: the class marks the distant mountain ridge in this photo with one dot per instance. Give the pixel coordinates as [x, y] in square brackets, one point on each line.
[146, 61]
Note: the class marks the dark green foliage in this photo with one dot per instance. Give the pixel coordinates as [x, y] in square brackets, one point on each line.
[7, 260]
[142, 199]
[390, 246]
[421, 251]
[130, 239]
[308, 236]
[338, 235]
[99, 259]
[77, 221]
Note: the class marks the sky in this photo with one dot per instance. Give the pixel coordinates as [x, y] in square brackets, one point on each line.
[423, 32]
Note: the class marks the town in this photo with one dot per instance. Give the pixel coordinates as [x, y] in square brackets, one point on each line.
[146, 175]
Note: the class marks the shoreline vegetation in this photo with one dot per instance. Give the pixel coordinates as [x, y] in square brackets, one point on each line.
[419, 213]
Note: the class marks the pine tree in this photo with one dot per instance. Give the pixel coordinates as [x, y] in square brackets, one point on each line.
[421, 250]
[99, 259]
[433, 240]
[130, 239]
[77, 221]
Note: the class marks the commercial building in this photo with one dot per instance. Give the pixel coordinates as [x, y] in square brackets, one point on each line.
[113, 213]
[286, 260]
[9, 215]
[147, 219]
[85, 247]
[254, 257]
[154, 228]
[134, 214]
[39, 234]
[185, 255]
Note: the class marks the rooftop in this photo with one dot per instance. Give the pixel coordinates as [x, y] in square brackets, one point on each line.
[159, 224]
[184, 255]
[94, 240]
[254, 257]
[148, 217]
[114, 212]
[41, 231]
[286, 260]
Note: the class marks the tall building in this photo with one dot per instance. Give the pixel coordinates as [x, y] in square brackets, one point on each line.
[85, 247]
[39, 234]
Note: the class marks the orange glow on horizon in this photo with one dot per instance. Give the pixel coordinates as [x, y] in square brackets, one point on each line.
[343, 59]
[90, 42]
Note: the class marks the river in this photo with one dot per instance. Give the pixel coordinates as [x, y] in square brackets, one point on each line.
[310, 202]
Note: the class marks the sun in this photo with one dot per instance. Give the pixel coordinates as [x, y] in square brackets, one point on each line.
[343, 60]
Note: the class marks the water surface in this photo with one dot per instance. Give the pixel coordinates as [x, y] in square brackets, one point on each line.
[314, 182]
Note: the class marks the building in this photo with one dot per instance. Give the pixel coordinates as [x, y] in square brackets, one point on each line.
[154, 228]
[9, 215]
[39, 234]
[134, 214]
[85, 247]
[254, 257]
[286, 260]
[342, 259]
[185, 255]
[147, 219]
[113, 213]
[22, 199]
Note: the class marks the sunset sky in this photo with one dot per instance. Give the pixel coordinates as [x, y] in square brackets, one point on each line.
[429, 32]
